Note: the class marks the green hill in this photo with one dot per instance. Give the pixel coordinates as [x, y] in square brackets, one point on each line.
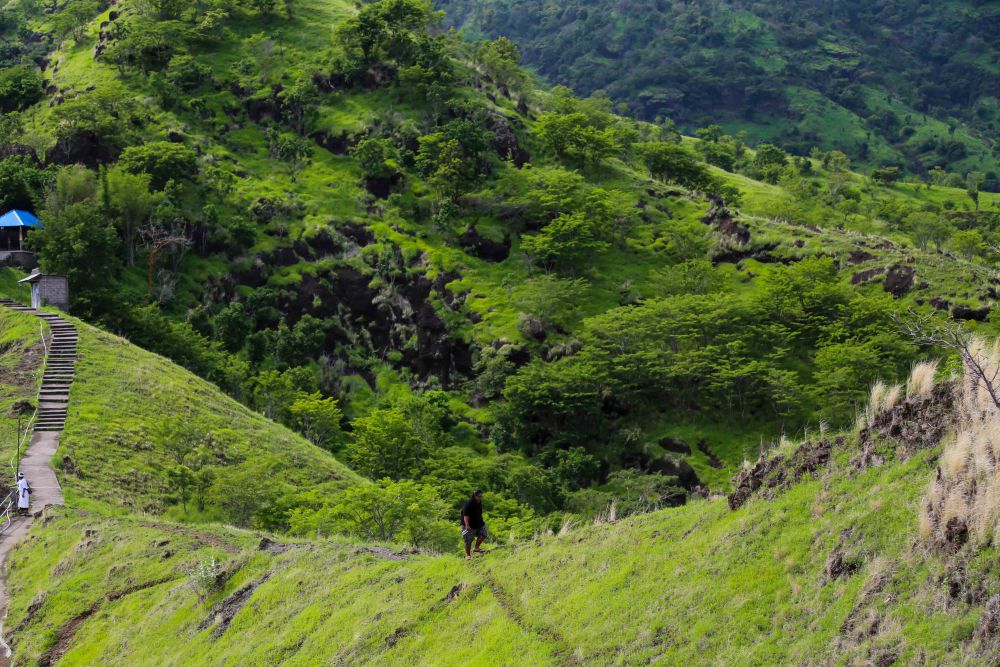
[144, 435]
[825, 563]
[324, 209]
[909, 84]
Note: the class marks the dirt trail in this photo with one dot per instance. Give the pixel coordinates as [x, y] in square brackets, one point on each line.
[564, 652]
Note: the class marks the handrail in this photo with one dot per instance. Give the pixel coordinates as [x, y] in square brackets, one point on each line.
[41, 332]
[6, 507]
[21, 437]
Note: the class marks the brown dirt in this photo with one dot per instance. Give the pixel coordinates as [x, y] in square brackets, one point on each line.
[914, 424]
[226, 610]
[381, 552]
[778, 472]
[202, 538]
[65, 634]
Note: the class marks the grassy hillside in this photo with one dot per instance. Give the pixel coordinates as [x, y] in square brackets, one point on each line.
[831, 569]
[136, 419]
[907, 84]
[21, 357]
[319, 207]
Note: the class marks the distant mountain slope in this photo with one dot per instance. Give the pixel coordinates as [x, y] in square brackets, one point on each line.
[909, 83]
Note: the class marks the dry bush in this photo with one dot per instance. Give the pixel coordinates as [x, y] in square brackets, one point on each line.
[963, 502]
[921, 382]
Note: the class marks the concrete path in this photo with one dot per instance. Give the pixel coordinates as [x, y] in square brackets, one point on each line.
[36, 463]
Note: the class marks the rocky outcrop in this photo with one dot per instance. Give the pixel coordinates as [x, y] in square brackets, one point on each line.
[916, 423]
[771, 474]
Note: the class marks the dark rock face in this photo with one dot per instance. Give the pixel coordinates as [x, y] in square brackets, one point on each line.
[916, 423]
[866, 275]
[21, 151]
[859, 257]
[956, 533]
[505, 141]
[336, 144]
[675, 445]
[778, 472]
[960, 312]
[671, 466]
[380, 187]
[899, 280]
[721, 218]
[484, 248]
[81, 148]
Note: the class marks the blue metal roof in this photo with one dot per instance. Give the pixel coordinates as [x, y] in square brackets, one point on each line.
[16, 218]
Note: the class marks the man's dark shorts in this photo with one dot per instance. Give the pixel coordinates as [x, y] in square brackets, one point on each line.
[470, 535]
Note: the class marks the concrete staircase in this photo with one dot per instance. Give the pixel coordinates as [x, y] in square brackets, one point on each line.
[60, 368]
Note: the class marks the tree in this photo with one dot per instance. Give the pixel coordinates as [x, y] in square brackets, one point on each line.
[163, 161]
[132, 205]
[294, 151]
[566, 242]
[73, 185]
[20, 87]
[317, 418]
[232, 325]
[928, 228]
[73, 19]
[377, 157]
[575, 139]
[386, 444]
[21, 184]
[972, 184]
[80, 243]
[384, 511]
[501, 60]
[672, 162]
[968, 243]
[887, 176]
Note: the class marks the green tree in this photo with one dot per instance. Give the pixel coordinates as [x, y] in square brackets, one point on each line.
[163, 161]
[317, 418]
[20, 87]
[575, 139]
[384, 511]
[969, 243]
[132, 205]
[377, 157]
[672, 162]
[292, 150]
[232, 325]
[566, 242]
[501, 60]
[386, 444]
[80, 243]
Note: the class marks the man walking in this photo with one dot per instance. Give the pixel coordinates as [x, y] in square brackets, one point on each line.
[473, 526]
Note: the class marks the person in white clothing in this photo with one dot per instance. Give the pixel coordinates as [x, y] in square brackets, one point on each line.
[23, 493]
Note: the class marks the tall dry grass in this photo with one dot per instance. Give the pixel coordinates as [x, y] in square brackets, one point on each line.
[966, 490]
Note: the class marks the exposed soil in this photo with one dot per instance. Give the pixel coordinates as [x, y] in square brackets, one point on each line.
[899, 280]
[916, 423]
[713, 460]
[226, 610]
[381, 552]
[484, 248]
[772, 474]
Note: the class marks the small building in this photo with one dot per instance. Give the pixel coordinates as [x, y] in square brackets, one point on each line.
[48, 290]
[15, 226]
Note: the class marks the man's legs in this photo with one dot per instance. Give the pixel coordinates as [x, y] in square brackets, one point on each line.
[480, 536]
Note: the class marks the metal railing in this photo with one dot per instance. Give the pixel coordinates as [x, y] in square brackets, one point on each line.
[7, 511]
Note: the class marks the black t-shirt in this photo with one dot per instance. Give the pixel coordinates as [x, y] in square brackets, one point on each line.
[474, 511]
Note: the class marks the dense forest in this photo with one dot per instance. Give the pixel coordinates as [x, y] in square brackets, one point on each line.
[906, 84]
[397, 243]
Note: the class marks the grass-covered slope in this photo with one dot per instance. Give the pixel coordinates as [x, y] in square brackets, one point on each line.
[21, 357]
[830, 571]
[142, 431]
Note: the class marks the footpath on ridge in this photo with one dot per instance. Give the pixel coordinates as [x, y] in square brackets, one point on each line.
[36, 463]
